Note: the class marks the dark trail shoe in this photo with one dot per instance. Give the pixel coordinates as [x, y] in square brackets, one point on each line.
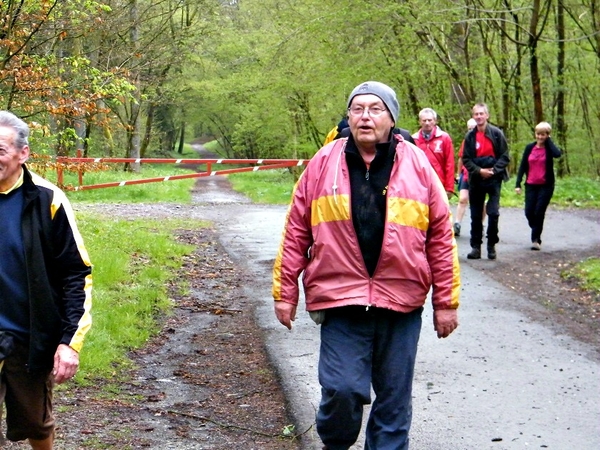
[456, 229]
[474, 254]
[491, 252]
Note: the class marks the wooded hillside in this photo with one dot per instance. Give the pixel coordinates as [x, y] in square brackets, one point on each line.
[269, 78]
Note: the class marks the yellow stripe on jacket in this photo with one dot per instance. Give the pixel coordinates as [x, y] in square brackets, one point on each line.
[330, 209]
[408, 212]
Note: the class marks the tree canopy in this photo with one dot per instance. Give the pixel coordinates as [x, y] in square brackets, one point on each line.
[269, 78]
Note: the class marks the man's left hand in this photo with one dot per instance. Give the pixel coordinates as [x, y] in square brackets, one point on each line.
[445, 322]
[285, 313]
[486, 173]
[66, 363]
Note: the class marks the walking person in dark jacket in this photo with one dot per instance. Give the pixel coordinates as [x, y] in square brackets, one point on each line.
[485, 156]
[537, 165]
[45, 290]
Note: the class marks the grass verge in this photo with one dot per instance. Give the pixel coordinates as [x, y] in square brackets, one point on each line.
[588, 274]
[134, 262]
[267, 186]
[571, 192]
[163, 191]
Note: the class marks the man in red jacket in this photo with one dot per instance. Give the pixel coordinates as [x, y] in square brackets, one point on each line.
[437, 145]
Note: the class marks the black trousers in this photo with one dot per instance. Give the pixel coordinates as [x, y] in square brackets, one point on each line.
[537, 199]
[477, 198]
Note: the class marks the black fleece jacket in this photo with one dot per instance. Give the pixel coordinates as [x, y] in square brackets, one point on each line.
[499, 162]
[58, 273]
[552, 151]
[368, 197]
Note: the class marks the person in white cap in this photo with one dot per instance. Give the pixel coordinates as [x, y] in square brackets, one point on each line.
[463, 185]
[369, 224]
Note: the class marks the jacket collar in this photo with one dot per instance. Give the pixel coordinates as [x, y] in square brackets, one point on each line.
[17, 184]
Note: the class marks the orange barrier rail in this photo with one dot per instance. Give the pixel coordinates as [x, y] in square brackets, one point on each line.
[266, 164]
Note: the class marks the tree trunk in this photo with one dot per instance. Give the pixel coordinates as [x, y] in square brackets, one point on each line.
[133, 133]
[533, 63]
[181, 138]
[561, 129]
[148, 130]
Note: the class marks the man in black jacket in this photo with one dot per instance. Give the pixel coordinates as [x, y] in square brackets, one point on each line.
[45, 290]
[485, 156]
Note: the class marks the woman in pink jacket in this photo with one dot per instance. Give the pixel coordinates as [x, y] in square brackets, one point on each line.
[369, 225]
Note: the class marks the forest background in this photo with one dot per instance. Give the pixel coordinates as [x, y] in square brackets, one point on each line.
[270, 78]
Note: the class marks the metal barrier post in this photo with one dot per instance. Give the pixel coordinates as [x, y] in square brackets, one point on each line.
[59, 173]
[79, 170]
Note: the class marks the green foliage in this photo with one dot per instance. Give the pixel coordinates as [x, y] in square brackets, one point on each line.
[268, 78]
[577, 191]
[280, 73]
[134, 262]
[187, 153]
[214, 147]
[569, 192]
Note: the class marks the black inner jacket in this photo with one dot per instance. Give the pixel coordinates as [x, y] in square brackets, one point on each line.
[368, 194]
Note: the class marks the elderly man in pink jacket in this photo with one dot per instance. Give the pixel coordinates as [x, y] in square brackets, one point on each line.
[369, 226]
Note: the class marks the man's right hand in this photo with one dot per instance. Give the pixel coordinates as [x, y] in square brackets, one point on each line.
[285, 313]
[445, 322]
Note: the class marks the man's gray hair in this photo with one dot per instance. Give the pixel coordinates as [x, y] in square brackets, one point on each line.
[481, 105]
[428, 111]
[9, 120]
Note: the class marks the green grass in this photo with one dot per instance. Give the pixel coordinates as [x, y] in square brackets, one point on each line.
[134, 262]
[572, 192]
[213, 146]
[588, 273]
[266, 186]
[162, 191]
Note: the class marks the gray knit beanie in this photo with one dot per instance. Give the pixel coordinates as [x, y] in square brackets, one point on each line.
[383, 91]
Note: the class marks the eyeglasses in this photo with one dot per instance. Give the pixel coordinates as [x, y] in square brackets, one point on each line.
[358, 111]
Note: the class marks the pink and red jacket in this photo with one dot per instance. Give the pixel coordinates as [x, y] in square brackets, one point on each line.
[440, 152]
[418, 252]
